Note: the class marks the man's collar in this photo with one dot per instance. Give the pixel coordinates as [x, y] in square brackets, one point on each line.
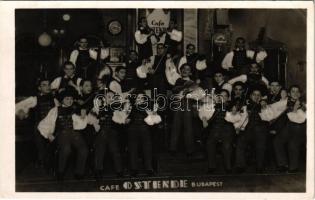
[80, 48]
[186, 78]
[221, 83]
[65, 76]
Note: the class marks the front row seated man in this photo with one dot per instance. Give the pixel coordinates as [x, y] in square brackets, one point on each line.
[63, 125]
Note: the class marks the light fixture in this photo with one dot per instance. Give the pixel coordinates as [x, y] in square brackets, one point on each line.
[66, 17]
[44, 39]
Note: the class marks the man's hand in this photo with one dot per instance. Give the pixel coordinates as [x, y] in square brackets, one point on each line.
[296, 106]
[150, 70]
[51, 138]
[21, 114]
[83, 113]
[71, 83]
[204, 122]
[80, 102]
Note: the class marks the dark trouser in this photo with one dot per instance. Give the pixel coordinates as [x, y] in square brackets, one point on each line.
[182, 122]
[255, 135]
[42, 147]
[225, 135]
[293, 135]
[89, 135]
[139, 136]
[66, 140]
[107, 138]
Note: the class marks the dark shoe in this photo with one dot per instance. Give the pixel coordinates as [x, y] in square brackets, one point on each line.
[210, 170]
[282, 169]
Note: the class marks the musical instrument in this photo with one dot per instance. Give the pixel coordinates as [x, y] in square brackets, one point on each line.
[146, 67]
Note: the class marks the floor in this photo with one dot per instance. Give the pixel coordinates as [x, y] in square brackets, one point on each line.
[191, 171]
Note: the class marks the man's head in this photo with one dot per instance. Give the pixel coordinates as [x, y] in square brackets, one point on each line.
[295, 92]
[86, 86]
[120, 72]
[240, 43]
[83, 43]
[224, 95]
[254, 68]
[67, 97]
[190, 49]
[133, 56]
[255, 95]
[143, 22]
[69, 68]
[160, 49]
[238, 89]
[218, 77]
[185, 70]
[44, 86]
[172, 24]
[275, 87]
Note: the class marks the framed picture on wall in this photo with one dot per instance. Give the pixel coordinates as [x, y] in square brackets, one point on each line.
[116, 54]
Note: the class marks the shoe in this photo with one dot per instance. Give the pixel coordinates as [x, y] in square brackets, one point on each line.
[293, 171]
[240, 170]
[282, 169]
[210, 170]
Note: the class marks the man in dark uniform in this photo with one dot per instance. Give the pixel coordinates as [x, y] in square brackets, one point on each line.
[139, 135]
[41, 104]
[132, 81]
[85, 66]
[238, 61]
[293, 132]
[70, 79]
[254, 134]
[61, 119]
[183, 114]
[153, 72]
[254, 79]
[220, 130]
[108, 137]
[143, 38]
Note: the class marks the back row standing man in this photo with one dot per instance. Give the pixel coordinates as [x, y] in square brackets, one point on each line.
[146, 39]
[85, 58]
[237, 61]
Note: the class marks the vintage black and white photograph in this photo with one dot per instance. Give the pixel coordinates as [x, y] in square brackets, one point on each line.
[161, 99]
